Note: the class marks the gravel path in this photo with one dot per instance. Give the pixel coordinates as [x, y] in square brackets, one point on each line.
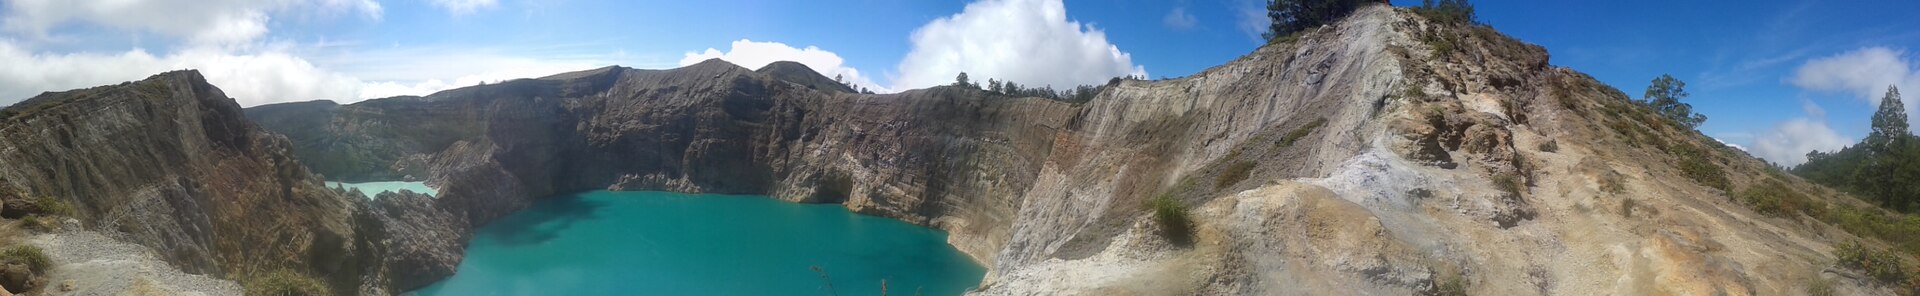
[99, 265]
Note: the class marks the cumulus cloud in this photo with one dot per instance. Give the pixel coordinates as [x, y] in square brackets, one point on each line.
[1789, 142]
[1027, 41]
[1865, 73]
[1180, 19]
[753, 55]
[224, 22]
[251, 78]
[459, 7]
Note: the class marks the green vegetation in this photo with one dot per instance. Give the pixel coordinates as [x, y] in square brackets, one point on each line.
[1613, 182]
[54, 207]
[286, 283]
[1291, 16]
[1301, 132]
[32, 256]
[1698, 165]
[1884, 168]
[1773, 198]
[1819, 286]
[1881, 265]
[1509, 183]
[1233, 174]
[1664, 97]
[1550, 146]
[1447, 11]
[1447, 284]
[1176, 224]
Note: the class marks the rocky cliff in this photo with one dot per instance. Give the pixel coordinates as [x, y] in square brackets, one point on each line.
[170, 163]
[1385, 154]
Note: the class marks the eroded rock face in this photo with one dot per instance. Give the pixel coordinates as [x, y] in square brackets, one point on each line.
[170, 163]
[1360, 158]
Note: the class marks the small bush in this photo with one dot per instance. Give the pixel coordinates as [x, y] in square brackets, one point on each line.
[1303, 131]
[1627, 206]
[1509, 183]
[1819, 287]
[1774, 199]
[1550, 146]
[1449, 284]
[36, 223]
[1176, 224]
[54, 207]
[1613, 183]
[1233, 174]
[1879, 264]
[1698, 165]
[286, 283]
[32, 256]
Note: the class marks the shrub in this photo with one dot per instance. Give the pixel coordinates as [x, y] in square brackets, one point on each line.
[36, 223]
[1612, 183]
[1774, 199]
[32, 256]
[1233, 174]
[1698, 165]
[1627, 206]
[1176, 224]
[1301, 132]
[1449, 284]
[1447, 11]
[52, 206]
[1819, 287]
[1879, 264]
[286, 283]
[1550, 146]
[1509, 183]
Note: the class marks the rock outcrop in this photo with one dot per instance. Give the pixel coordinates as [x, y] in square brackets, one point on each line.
[172, 164]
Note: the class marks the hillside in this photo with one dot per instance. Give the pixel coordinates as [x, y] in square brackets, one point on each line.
[170, 165]
[1384, 154]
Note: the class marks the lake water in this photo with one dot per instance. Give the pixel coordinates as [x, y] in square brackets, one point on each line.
[657, 243]
[374, 188]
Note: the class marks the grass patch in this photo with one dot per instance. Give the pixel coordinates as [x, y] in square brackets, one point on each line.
[1302, 132]
[1448, 284]
[286, 283]
[32, 256]
[1774, 199]
[1627, 206]
[1233, 174]
[1819, 287]
[1176, 223]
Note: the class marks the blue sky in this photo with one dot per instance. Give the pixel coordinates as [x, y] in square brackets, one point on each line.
[1775, 77]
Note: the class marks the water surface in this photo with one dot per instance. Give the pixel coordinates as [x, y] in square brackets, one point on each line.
[372, 189]
[657, 243]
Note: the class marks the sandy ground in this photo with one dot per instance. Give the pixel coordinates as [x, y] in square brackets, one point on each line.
[99, 265]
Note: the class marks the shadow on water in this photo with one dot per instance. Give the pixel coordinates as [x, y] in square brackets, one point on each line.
[543, 221]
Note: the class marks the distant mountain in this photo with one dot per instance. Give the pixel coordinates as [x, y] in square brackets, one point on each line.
[803, 75]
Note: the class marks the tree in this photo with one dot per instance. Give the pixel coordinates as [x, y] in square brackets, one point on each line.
[1664, 97]
[962, 81]
[1291, 16]
[1448, 11]
[1889, 123]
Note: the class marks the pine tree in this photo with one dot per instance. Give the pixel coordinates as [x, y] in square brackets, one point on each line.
[1889, 123]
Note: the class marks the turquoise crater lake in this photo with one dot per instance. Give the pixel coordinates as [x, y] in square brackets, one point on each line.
[658, 243]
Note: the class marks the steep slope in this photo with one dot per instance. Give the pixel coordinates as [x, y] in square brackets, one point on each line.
[170, 163]
[1385, 154]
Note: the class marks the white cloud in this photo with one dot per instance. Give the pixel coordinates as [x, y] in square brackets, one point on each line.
[251, 78]
[281, 73]
[1865, 73]
[1730, 144]
[1027, 41]
[753, 55]
[1789, 142]
[221, 22]
[459, 7]
[1180, 19]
